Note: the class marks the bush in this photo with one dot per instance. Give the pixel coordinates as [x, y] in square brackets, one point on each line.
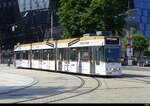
[146, 53]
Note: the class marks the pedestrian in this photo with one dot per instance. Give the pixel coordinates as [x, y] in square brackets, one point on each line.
[9, 62]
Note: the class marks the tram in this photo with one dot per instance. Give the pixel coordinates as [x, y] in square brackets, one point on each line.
[92, 55]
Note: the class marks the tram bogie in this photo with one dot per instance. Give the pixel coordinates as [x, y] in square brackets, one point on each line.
[96, 55]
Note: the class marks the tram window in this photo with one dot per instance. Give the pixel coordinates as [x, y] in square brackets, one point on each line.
[52, 54]
[65, 54]
[36, 54]
[61, 54]
[46, 54]
[73, 54]
[98, 56]
[25, 55]
[18, 55]
[101, 53]
[112, 54]
[85, 54]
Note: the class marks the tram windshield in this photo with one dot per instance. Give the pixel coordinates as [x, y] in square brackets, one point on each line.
[112, 54]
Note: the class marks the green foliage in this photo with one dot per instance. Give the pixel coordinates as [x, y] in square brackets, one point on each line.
[140, 42]
[124, 42]
[146, 53]
[88, 16]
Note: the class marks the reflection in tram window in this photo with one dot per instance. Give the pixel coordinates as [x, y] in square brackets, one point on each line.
[73, 54]
[112, 54]
[102, 54]
[65, 54]
[18, 55]
[97, 56]
[85, 54]
[36, 54]
[25, 55]
[52, 54]
[46, 54]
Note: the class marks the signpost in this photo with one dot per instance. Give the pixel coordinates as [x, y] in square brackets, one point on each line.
[130, 46]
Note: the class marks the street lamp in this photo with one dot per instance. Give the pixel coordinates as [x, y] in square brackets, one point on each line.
[130, 29]
[14, 27]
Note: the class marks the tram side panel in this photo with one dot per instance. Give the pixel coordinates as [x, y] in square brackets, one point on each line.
[100, 65]
[52, 55]
[79, 60]
[22, 59]
[36, 59]
[84, 60]
[18, 60]
[46, 59]
[25, 59]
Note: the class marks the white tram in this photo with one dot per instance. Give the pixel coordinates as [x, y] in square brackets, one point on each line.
[96, 55]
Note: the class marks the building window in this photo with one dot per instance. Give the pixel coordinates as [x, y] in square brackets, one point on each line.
[9, 4]
[4, 4]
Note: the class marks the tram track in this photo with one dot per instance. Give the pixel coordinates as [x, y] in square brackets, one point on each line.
[82, 82]
[26, 95]
[79, 94]
[60, 96]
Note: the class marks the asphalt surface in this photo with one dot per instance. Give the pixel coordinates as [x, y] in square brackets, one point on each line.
[136, 68]
[36, 86]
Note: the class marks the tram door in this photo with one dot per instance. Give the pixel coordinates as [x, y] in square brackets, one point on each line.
[84, 60]
[92, 60]
[29, 59]
[37, 59]
[40, 58]
[66, 59]
[60, 58]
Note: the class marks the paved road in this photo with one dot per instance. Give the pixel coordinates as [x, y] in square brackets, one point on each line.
[136, 68]
[132, 87]
[12, 82]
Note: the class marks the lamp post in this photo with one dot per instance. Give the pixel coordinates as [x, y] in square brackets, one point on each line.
[129, 50]
[51, 18]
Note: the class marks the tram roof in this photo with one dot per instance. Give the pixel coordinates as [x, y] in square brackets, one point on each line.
[64, 41]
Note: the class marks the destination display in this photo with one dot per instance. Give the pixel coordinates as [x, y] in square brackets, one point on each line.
[112, 40]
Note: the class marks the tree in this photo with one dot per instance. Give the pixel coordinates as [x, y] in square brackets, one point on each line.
[88, 16]
[146, 53]
[140, 43]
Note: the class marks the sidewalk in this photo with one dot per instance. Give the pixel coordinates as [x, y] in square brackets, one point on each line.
[13, 82]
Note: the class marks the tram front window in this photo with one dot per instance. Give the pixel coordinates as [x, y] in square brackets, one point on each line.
[112, 54]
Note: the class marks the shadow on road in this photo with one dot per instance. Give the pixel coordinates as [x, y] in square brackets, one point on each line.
[134, 76]
[32, 92]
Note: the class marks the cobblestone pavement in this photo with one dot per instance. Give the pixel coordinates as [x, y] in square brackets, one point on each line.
[132, 87]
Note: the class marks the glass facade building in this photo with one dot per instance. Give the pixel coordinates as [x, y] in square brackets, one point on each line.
[29, 5]
[143, 16]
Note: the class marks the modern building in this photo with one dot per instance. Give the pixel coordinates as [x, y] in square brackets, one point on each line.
[143, 16]
[28, 5]
[9, 14]
[36, 20]
[26, 21]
